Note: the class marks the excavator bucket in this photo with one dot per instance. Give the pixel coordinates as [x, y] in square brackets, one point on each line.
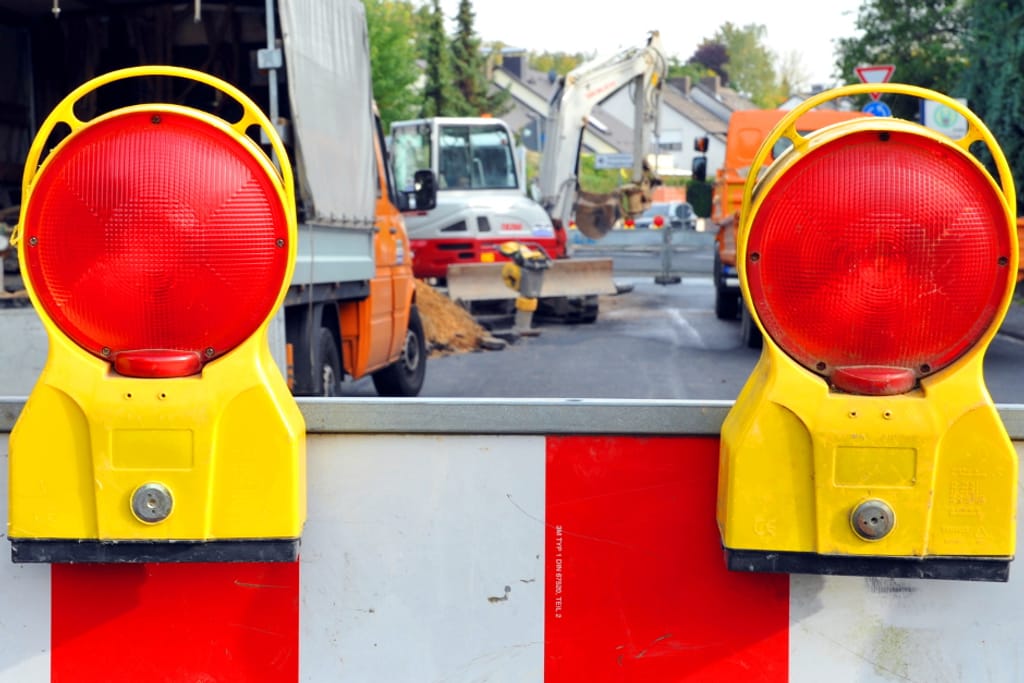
[469, 282]
[595, 213]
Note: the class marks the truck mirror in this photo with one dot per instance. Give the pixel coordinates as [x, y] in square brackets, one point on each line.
[425, 189]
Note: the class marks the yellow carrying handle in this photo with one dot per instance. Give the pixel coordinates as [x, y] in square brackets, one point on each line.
[252, 115]
[976, 132]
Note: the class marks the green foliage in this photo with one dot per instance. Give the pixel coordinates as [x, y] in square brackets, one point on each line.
[712, 56]
[923, 38]
[699, 195]
[440, 97]
[423, 20]
[790, 75]
[751, 70]
[559, 62]
[601, 181]
[392, 58]
[470, 71]
[590, 179]
[994, 81]
[693, 70]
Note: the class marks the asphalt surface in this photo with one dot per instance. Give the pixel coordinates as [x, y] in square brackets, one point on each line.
[1013, 323]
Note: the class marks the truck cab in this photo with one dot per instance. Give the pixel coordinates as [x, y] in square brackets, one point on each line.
[382, 335]
[747, 130]
[481, 197]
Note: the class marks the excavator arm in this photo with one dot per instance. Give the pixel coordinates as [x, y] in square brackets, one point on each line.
[580, 91]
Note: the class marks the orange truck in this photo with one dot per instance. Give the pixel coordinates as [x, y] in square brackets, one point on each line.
[351, 309]
[747, 130]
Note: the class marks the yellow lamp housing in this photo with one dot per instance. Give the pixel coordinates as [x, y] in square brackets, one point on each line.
[157, 242]
[878, 258]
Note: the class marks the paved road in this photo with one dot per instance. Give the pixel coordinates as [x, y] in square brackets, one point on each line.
[657, 342]
[654, 342]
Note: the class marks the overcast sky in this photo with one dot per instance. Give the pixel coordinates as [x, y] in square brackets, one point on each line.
[807, 28]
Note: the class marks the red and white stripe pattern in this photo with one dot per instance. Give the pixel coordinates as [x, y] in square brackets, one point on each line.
[501, 558]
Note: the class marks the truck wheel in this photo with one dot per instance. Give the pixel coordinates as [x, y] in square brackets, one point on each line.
[749, 332]
[727, 303]
[405, 376]
[327, 372]
[727, 300]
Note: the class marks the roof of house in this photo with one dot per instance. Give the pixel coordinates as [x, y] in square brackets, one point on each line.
[727, 96]
[676, 95]
[606, 127]
[675, 99]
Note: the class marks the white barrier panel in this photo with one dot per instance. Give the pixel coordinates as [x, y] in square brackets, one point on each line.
[572, 556]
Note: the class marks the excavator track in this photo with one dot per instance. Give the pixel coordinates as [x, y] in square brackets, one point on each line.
[568, 310]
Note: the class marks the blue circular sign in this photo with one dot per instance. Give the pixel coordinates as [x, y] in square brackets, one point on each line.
[877, 108]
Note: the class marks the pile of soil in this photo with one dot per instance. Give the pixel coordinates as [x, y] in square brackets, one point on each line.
[449, 327]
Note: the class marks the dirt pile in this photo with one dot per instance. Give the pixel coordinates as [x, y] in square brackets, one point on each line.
[449, 328]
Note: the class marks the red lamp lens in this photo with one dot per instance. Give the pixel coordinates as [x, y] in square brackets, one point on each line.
[879, 257]
[155, 237]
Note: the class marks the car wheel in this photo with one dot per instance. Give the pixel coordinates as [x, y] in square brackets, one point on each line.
[405, 376]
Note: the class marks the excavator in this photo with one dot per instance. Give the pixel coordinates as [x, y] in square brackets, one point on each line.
[582, 88]
[482, 198]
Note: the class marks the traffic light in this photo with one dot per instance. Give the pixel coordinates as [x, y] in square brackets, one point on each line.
[699, 169]
[699, 165]
[157, 242]
[878, 259]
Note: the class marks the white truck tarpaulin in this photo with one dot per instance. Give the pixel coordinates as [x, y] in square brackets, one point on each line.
[328, 62]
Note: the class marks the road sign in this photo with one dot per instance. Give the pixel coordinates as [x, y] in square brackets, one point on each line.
[876, 108]
[879, 73]
[944, 119]
[605, 161]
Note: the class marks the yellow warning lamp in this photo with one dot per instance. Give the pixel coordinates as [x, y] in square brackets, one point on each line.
[878, 258]
[157, 242]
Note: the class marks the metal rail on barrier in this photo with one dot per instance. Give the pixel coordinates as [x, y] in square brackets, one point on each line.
[515, 416]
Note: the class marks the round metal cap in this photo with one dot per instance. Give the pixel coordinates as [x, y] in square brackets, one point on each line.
[152, 503]
[873, 520]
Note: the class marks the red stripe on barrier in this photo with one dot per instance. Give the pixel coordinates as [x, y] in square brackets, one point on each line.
[636, 584]
[202, 623]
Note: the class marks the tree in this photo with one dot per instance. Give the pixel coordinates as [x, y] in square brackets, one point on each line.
[791, 77]
[751, 69]
[692, 70]
[469, 67]
[440, 97]
[557, 63]
[993, 82]
[392, 58]
[713, 56]
[923, 38]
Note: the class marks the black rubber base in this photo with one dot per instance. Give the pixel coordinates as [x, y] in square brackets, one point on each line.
[73, 552]
[950, 568]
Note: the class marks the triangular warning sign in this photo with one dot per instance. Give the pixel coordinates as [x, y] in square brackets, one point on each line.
[879, 73]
